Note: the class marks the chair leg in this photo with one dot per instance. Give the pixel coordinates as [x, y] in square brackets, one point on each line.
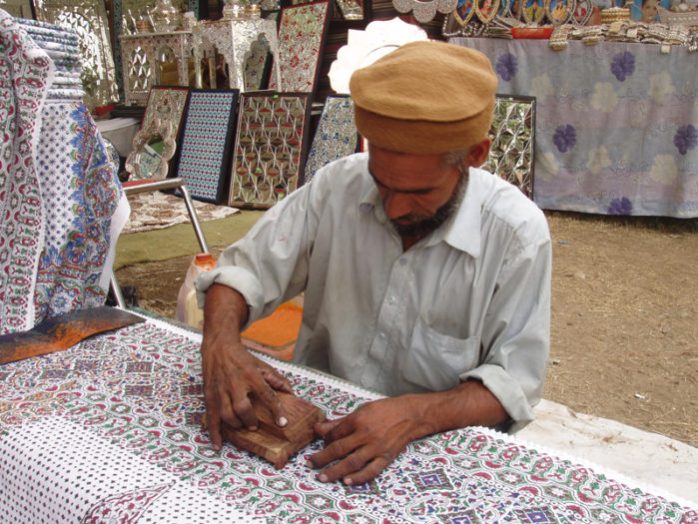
[194, 219]
[116, 289]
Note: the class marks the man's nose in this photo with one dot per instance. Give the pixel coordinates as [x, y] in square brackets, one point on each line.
[395, 205]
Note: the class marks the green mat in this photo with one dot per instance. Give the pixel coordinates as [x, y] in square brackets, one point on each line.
[180, 240]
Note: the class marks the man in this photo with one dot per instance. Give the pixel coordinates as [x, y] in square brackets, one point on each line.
[425, 278]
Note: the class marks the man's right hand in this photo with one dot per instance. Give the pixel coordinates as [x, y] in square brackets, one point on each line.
[233, 378]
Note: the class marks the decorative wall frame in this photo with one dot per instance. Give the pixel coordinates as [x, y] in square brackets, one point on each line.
[559, 12]
[302, 33]
[126, 13]
[18, 8]
[142, 58]
[155, 143]
[513, 141]
[88, 18]
[534, 11]
[486, 10]
[203, 157]
[270, 141]
[233, 39]
[424, 11]
[336, 135]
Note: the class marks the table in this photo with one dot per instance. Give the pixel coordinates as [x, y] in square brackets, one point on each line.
[144, 54]
[110, 429]
[120, 132]
[233, 39]
[616, 123]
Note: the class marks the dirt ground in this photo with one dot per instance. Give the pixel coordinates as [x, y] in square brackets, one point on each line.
[624, 318]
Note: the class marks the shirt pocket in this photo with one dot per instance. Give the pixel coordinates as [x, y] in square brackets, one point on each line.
[434, 361]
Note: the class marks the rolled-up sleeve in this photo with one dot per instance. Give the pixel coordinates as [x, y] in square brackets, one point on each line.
[516, 334]
[268, 265]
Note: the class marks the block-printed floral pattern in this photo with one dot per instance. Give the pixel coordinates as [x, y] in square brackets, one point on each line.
[80, 192]
[301, 36]
[25, 75]
[151, 413]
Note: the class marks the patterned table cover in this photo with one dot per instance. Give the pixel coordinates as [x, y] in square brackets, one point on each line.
[616, 123]
[108, 431]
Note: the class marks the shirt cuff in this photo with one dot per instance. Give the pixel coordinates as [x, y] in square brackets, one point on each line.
[506, 390]
[237, 278]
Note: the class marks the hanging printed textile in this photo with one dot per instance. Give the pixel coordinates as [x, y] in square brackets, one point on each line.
[85, 211]
[301, 38]
[25, 75]
[336, 135]
[207, 142]
[270, 141]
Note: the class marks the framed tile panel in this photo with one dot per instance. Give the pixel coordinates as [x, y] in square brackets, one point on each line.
[269, 146]
[302, 33]
[336, 135]
[203, 158]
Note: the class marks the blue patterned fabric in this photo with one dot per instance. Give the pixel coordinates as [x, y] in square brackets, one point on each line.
[616, 123]
[204, 155]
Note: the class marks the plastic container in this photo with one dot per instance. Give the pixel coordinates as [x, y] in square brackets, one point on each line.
[188, 311]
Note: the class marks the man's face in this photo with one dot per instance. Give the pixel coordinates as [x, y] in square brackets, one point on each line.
[419, 192]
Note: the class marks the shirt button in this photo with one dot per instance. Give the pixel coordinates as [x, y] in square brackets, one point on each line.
[403, 261]
[392, 300]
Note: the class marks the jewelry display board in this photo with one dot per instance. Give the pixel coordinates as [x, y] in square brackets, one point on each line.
[336, 135]
[233, 39]
[203, 158]
[156, 142]
[88, 18]
[513, 141]
[301, 38]
[18, 8]
[269, 145]
[143, 55]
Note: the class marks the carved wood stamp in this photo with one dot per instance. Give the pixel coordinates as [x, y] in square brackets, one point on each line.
[271, 442]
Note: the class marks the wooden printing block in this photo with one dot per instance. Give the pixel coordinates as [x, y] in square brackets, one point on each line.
[271, 442]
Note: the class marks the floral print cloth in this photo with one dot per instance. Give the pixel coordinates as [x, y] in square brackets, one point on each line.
[616, 123]
[85, 212]
[61, 203]
[25, 75]
[109, 431]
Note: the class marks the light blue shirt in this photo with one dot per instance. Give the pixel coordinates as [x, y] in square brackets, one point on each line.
[471, 300]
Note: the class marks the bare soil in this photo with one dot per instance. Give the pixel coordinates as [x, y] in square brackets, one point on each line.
[624, 317]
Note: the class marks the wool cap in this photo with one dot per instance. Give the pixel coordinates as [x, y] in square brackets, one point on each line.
[425, 98]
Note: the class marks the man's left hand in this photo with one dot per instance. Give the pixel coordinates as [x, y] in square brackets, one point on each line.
[361, 445]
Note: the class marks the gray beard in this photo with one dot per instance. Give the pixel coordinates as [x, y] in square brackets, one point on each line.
[425, 227]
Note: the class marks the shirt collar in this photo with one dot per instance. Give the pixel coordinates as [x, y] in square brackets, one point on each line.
[461, 231]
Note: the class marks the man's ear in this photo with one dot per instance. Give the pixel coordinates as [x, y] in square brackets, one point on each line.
[478, 153]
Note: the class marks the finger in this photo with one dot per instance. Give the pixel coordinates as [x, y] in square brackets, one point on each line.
[213, 419]
[338, 429]
[242, 407]
[227, 413]
[270, 399]
[352, 463]
[277, 381]
[323, 428]
[368, 472]
[335, 451]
